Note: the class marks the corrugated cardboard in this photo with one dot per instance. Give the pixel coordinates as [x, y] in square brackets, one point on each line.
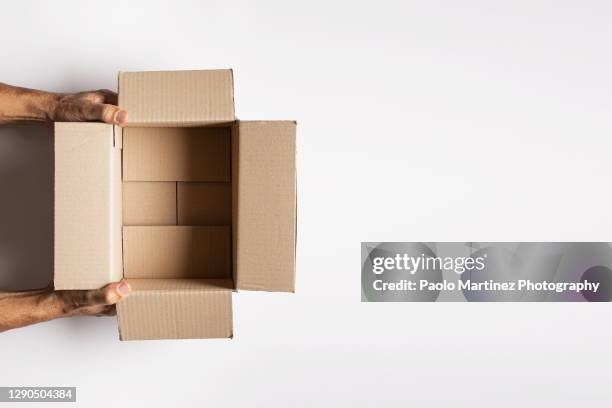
[149, 203]
[176, 309]
[264, 205]
[177, 252]
[177, 98]
[204, 203]
[176, 154]
[87, 241]
[207, 208]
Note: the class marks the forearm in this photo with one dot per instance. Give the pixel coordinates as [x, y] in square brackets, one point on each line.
[20, 309]
[24, 308]
[21, 104]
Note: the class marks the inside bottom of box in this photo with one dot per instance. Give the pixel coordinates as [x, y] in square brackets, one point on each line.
[177, 205]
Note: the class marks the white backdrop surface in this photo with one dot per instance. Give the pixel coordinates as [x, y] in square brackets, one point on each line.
[417, 121]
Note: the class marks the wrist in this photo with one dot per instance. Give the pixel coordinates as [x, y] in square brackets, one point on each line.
[67, 303]
[46, 106]
[54, 305]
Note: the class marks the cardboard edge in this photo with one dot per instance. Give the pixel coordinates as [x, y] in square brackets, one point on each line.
[231, 71]
[212, 123]
[234, 153]
[296, 210]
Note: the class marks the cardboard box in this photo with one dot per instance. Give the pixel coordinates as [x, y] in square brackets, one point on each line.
[186, 202]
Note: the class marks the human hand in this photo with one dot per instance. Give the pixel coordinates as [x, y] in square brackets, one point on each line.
[29, 105]
[88, 106]
[96, 302]
[18, 309]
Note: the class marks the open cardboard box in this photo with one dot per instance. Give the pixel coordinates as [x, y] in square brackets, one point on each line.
[186, 202]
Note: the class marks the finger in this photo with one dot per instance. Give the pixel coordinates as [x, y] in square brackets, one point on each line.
[109, 311]
[89, 97]
[108, 96]
[99, 96]
[96, 310]
[106, 113]
[108, 295]
[91, 302]
[114, 292]
[103, 311]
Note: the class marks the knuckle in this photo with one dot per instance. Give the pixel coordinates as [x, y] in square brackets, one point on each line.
[108, 113]
[108, 297]
[93, 97]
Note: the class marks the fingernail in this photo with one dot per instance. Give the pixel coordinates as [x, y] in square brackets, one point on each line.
[121, 117]
[124, 288]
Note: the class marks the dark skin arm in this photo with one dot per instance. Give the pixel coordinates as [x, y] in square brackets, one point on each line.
[18, 309]
[22, 104]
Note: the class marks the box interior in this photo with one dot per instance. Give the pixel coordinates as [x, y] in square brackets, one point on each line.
[177, 203]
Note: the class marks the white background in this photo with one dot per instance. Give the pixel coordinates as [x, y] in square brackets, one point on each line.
[418, 121]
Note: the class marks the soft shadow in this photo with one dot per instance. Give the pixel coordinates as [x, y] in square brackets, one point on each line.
[26, 207]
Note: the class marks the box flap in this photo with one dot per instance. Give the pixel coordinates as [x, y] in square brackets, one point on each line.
[177, 251]
[177, 98]
[176, 309]
[87, 232]
[264, 205]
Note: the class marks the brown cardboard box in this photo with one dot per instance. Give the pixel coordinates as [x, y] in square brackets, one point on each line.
[186, 202]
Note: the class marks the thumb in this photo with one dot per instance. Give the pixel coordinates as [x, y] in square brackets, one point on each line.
[114, 292]
[72, 301]
[107, 113]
